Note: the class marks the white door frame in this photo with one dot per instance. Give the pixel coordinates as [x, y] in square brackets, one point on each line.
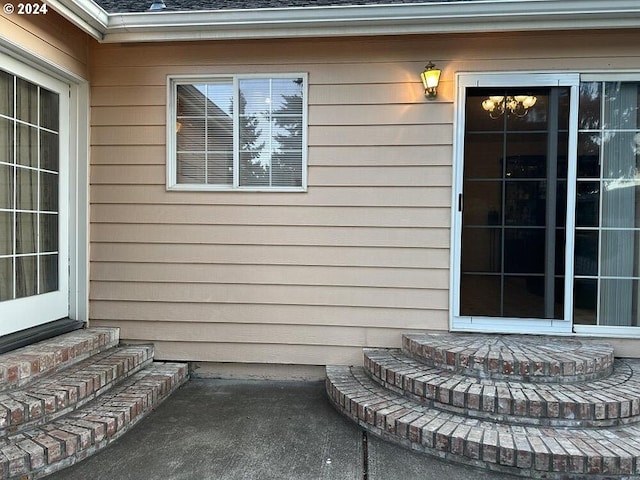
[76, 149]
[499, 324]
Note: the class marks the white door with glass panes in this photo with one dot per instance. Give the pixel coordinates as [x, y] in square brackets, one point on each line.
[34, 264]
[547, 206]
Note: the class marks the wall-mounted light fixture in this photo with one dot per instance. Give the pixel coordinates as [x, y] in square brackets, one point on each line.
[430, 79]
[517, 105]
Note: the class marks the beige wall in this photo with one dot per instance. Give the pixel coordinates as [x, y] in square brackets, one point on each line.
[48, 36]
[306, 278]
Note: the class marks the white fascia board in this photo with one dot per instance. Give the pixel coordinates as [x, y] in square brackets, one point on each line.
[394, 19]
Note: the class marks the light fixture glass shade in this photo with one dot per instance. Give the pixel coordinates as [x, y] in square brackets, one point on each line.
[430, 79]
[517, 105]
[488, 105]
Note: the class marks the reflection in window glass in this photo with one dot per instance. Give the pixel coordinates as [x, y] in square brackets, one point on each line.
[271, 132]
[49, 110]
[607, 262]
[29, 188]
[515, 174]
[590, 105]
[48, 273]
[6, 277]
[243, 133]
[6, 94]
[26, 276]
[26, 101]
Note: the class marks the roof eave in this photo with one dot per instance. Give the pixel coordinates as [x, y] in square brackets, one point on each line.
[394, 19]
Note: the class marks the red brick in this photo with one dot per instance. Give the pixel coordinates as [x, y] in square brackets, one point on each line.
[37, 458]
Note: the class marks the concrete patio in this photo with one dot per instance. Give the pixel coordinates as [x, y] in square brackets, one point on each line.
[228, 430]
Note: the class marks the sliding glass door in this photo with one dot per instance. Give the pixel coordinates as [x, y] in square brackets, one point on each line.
[515, 197]
[547, 204]
[512, 199]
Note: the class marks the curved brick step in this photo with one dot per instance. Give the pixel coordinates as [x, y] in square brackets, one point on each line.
[509, 357]
[610, 401]
[48, 398]
[23, 365]
[533, 452]
[39, 451]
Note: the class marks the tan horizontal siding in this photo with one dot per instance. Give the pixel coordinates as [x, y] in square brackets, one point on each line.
[208, 332]
[424, 257]
[127, 154]
[128, 135]
[295, 277]
[271, 294]
[382, 317]
[435, 197]
[272, 274]
[319, 115]
[128, 116]
[415, 114]
[365, 74]
[128, 96]
[381, 135]
[370, 94]
[267, 215]
[256, 353]
[266, 235]
[48, 36]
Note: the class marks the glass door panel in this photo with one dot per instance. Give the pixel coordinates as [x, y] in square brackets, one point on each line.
[515, 200]
[607, 236]
[33, 204]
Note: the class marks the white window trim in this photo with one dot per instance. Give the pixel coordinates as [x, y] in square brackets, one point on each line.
[497, 324]
[171, 180]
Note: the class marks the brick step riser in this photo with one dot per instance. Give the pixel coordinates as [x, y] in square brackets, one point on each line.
[40, 451]
[590, 362]
[507, 372]
[525, 451]
[491, 410]
[499, 404]
[72, 398]
[24, 365]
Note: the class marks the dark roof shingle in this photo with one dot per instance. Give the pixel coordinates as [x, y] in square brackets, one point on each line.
[130, 6]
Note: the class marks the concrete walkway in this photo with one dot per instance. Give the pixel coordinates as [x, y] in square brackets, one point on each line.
[232, 430]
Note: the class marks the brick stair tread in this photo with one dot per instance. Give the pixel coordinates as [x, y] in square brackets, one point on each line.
[50, 397]
[609, 401]
[531, 451]
[25, 364]
[529, 358]
[42, 450]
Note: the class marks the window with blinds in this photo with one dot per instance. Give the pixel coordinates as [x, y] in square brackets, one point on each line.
[242, 132]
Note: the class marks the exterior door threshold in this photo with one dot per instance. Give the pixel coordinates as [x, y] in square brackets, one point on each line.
[37, 334]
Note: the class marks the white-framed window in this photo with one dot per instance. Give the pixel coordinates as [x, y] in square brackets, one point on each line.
[237, 132]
